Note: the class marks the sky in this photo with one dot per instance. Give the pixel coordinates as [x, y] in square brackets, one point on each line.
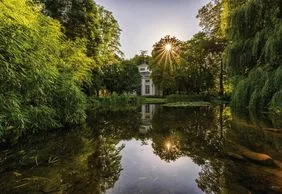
[145, 22]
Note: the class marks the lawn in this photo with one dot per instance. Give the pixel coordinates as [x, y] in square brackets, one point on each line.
[153, 101]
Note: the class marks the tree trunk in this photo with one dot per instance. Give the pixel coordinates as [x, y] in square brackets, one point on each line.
[221, 86]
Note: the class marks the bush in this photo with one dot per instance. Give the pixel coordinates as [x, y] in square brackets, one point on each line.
[38, 89]
[69, 102]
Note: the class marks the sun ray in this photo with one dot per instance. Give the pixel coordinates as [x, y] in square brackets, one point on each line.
[169, 57]
[162, 58]
[161, 53]
[166, 57]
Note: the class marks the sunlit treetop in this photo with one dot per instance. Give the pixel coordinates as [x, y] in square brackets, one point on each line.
[166, 52]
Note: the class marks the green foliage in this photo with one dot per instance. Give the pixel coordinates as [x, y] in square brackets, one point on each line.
[74, 55]
[255, 30]
[258, 91]
[212, 18]
[240, 95]
[164, 63]
[255, 33]
[121, 78]
[44, 69]
[141, 58]
[94, 39]
[38, 84]
[69, 101]
[209, 16]
[201, 67]
[193, 67]
[276, 102]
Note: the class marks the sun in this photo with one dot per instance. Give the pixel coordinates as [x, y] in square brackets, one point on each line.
[168, 145]
[166, 52]
[168, 47]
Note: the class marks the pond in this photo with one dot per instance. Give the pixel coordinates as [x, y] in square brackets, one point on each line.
[154, 150]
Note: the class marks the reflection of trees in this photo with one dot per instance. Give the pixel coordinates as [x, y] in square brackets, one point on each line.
[210, 176]
[97, 167]
[167, 147]
[196, 132]
[123, 125]
[68, 162]
[104, 163]
[103, 166]
[87, 160]
[201, 133]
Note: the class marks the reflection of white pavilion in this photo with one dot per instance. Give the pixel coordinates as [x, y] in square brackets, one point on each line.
[147, 112]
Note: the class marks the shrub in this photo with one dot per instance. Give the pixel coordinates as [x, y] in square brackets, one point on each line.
[38, 87]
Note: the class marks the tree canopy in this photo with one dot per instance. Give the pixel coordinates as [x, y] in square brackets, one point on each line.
[49, 64]
[254, 52]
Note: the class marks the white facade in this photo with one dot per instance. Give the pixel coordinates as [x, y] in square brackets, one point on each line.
[147, 86]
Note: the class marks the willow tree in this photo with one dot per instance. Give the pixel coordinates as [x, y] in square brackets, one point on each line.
[255, 52]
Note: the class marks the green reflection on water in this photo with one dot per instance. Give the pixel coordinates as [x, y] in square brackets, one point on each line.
[87, 159]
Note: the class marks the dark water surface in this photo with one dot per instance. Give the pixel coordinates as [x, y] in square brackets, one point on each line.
[152, 150]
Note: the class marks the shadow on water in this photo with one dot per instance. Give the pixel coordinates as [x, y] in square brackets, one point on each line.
[151, 150]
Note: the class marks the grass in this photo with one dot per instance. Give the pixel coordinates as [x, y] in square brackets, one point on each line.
[175, 98]
[186, 104]
[114, 102]
[153, 100]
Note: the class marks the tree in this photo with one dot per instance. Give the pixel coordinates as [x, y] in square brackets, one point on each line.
[84, 19]
[121, 77]
[254, 53]
[189, 67]
[255, 31]
[87, 20]
[165, 59]
[212, 21]
[143, 57]
[196, 70]
[130, 76]
[210, 17]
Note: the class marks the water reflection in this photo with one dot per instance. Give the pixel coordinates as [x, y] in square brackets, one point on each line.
[143, 172]
[150, 150]
[147, 113]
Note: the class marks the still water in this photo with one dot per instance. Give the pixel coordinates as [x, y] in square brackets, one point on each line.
[150, 150]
